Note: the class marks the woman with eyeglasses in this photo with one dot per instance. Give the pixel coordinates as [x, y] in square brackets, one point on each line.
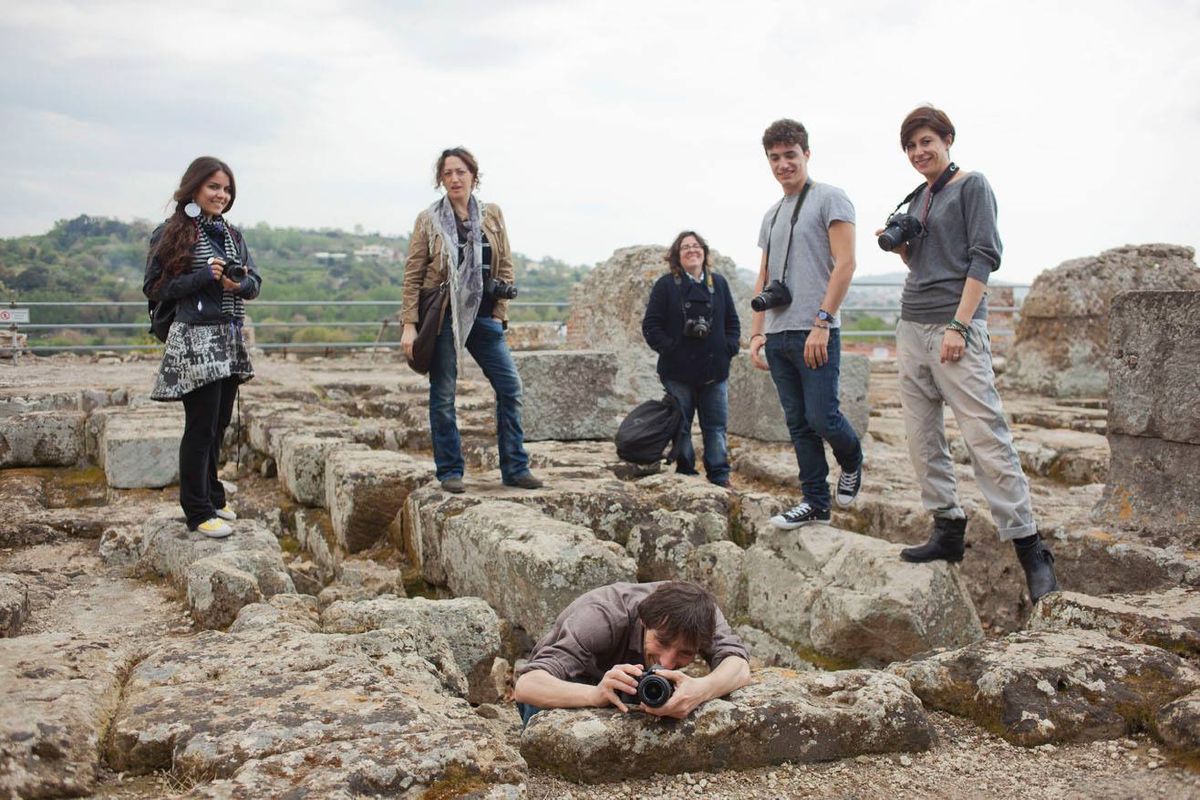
[692, 324]
[950, 243]
[200, 262]
[463, 242]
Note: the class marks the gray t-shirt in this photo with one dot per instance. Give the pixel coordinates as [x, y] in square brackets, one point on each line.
[811, 261]
[962, 242]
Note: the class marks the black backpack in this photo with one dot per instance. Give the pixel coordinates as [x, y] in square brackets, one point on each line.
[650, 429]
[162, 314]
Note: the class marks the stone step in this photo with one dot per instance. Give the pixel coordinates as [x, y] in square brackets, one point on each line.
[139, 449]
[365, 490]
[42, 439]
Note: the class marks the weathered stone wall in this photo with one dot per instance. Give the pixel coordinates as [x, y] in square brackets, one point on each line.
[754, 408]
[1061, 346]
[569, 394]
[1154, 415]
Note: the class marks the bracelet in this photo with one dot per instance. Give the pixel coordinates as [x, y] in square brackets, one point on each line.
[960, 329]
[754, 336]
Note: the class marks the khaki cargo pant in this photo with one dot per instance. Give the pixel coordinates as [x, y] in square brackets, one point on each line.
[968, 386]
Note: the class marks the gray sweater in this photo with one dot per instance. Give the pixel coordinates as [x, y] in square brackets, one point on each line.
[962, 242]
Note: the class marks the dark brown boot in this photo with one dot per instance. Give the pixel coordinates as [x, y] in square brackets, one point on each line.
[946, 543]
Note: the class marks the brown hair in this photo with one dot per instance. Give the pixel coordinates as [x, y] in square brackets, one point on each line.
[680, 611]
[458, 152]
[925, 117]
[785, 131]
[174, 246]
[673, 260]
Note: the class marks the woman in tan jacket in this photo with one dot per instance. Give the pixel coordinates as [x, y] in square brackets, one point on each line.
[464, 242]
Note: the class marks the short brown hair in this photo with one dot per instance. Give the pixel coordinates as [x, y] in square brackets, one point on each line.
[680, 612]
[673, 253]
[458, 152]
[785, 131]
[925, 117]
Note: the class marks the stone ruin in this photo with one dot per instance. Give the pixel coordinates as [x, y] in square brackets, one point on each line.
[357, 635]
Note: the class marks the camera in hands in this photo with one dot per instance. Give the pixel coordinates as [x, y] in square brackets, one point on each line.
[653, 690]
[900, 228]
[499, 290]
[774, 295]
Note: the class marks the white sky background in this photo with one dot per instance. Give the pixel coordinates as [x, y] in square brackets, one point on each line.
[602, 125]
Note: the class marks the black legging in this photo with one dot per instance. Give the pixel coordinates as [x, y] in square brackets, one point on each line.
[207, 412]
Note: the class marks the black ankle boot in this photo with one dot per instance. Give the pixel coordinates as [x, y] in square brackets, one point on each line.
[945, 543]
[1038, 563]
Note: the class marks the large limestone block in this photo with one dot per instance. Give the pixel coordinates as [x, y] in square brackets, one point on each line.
[268, 421]
[754, 409]
[1061, 346]
[526, 565]
[1154, 371]
[220, 576]
[1050, 686]
[1169, 619]
[365, 489]
[1178, 724]
[362, 579]
[270, 706]
[314, 532]
[569, 394]
[14, 604]
[469, 625]
[42, 439]
[1151, 486]
[140, 449]
[302, 463]
[851, 599]
[782, 717]
[607, 307]
[58, 692]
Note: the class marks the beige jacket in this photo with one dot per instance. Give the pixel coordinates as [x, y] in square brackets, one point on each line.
[428, 262]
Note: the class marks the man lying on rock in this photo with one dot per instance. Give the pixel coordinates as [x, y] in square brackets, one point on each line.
[606, 640]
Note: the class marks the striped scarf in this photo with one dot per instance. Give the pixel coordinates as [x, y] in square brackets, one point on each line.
[216, 229]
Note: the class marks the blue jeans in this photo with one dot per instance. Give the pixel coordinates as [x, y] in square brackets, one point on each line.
[810, 406]
[712, 402]
[486, 345]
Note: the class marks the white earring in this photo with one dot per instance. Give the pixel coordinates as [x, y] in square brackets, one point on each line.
[192, 210]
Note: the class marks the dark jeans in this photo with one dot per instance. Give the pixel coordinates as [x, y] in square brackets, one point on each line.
[207, 411]
[810, 405]
[712, 402]
[486, 345]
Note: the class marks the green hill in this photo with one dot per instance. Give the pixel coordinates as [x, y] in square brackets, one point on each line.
[102, 260]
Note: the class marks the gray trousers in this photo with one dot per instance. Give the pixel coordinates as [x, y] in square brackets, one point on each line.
[968, 386]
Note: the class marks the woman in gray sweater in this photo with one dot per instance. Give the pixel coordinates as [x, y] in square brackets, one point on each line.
[950, 243]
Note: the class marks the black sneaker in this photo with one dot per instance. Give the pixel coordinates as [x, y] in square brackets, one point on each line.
[525, 481]
[847, 489]
[799, 516]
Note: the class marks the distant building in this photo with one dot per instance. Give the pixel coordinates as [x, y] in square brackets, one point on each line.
[329, 257]
[375, 252]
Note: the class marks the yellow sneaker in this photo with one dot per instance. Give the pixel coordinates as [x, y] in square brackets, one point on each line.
[227, 513]
[214, 528]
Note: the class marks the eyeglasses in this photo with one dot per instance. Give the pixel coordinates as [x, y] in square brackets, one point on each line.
[685, 248]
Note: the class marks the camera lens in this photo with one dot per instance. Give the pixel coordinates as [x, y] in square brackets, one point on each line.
[654, 691]
[758, 303]
[889, 238]
[236, 272]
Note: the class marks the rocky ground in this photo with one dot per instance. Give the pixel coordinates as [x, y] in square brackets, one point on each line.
[141, 663]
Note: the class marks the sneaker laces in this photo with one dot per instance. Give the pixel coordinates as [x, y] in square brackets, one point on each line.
[848, 480]
[799, 512]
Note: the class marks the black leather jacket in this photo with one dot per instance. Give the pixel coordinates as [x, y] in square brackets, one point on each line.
[198, 294]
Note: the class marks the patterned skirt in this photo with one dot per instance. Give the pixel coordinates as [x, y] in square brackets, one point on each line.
[197, 355]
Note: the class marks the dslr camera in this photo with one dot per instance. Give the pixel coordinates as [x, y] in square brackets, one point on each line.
[698, 328]
[774, 295]
[900, 228]
[499, 290]
[234, 270]
[653, 690]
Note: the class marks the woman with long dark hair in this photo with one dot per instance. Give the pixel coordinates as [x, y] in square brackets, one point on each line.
[691, 322]
[950, 243]
[462, 242]
[200, 262]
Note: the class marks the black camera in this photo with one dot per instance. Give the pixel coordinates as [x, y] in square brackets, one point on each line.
[698, 328]
[899, 229]
[499, 290]
[653, 690]
[236, 271]
[774, 295]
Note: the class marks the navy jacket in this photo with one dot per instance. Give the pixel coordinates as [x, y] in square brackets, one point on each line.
[683, 358]
[198, 294]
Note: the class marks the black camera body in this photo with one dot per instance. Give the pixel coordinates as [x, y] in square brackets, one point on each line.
[698, 328]
[499, 290]
[653, 690]
[775, 294]
[235, 271]
[900, 228]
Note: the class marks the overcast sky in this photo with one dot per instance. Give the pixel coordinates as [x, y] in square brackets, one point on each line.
[605, 124]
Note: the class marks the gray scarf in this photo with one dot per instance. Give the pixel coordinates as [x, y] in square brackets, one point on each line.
[464, 265]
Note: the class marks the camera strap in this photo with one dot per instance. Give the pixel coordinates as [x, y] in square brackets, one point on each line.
[791, 231]
[938, 185]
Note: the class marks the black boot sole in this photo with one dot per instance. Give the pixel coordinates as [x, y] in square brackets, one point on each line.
[953, 559]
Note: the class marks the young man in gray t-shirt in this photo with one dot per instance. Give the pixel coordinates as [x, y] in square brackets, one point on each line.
[807, 239]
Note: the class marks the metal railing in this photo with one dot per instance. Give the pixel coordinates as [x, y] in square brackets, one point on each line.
[382, 325]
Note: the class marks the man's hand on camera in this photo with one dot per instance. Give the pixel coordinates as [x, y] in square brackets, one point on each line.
[689, 693]
[757, 343]
[816, 347]
[621, 678]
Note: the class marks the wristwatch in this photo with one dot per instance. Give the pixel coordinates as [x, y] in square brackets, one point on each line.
[824, 316]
